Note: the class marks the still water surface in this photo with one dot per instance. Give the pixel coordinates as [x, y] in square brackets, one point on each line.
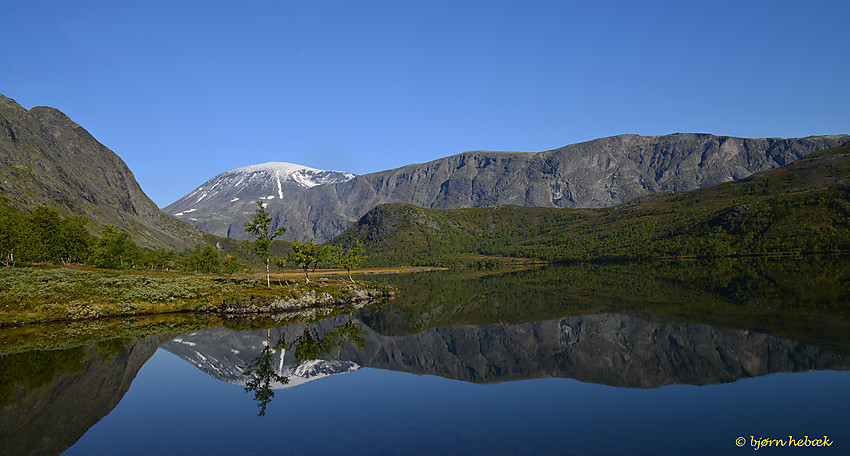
[556, 361]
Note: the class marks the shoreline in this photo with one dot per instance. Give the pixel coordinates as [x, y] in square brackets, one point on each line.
[63, 294]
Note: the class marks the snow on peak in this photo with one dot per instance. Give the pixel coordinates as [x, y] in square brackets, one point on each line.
[282, 167]
[304, 176]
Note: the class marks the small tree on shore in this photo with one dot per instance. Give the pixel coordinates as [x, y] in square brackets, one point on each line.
[304, 255]
[261, 229]
[348, 259]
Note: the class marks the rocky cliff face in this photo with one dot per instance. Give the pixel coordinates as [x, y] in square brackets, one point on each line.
[599, 173]
[47, 159]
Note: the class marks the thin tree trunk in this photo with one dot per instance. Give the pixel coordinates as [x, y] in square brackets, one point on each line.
[268, 280]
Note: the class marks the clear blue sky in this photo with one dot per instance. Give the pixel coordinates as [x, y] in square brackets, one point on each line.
[185, 90]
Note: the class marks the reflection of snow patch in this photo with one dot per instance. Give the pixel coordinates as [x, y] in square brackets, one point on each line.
[185, 342]
[234, 351]
[234, 200]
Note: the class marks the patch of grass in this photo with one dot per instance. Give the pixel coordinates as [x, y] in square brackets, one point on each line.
[31, 294]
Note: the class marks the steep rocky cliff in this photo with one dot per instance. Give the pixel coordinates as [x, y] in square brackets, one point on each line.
[47, 159]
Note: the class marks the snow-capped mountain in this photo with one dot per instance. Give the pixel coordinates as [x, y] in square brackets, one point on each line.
[224, 203]
[223, 354]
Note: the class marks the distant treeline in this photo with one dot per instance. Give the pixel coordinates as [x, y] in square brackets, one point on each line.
[45, 236]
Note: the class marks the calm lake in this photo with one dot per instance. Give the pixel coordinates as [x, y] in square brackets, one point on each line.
[653, 358]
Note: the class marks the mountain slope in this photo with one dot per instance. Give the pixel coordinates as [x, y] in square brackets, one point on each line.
[599, 173]
[224, 203]
[801, 207]
[47, 159]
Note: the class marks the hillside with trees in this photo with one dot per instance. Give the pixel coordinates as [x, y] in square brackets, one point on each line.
[799, 208]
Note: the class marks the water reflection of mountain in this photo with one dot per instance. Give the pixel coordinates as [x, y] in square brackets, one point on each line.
[53, 397]
[610, 349]
[223, 354]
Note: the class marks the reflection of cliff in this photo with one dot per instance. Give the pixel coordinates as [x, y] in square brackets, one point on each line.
[48, 419]
[609, 349]
[223, 354]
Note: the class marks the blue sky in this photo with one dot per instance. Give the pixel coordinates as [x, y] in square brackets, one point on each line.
[185, 90]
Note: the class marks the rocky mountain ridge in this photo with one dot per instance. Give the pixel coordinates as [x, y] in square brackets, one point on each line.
[599, 173]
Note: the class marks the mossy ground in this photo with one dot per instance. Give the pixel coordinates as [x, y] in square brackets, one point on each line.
[42, 294]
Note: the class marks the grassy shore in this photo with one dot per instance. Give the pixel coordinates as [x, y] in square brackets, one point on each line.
[43, 294]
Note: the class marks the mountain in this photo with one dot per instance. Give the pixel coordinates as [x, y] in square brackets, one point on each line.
[48, 159]
[803, 207]
[599, 173]
[225, 202]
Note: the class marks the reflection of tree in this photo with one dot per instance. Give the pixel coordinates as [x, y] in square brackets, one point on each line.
[308, 346]
[261, 374]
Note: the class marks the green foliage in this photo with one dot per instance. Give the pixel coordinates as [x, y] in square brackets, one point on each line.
[114, 249]
[260, 227]
[43, 236]
[161, 259]
[202, 259]
[11, 235]
[307, 255]
[231, 265]
[347, 259]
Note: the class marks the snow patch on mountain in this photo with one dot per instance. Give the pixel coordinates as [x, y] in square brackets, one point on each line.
[273, 181]
[282, 171]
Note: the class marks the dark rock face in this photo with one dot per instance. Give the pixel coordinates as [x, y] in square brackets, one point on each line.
[600, 173]
[47, 159]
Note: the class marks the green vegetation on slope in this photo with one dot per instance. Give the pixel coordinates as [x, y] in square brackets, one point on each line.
[800, 208]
